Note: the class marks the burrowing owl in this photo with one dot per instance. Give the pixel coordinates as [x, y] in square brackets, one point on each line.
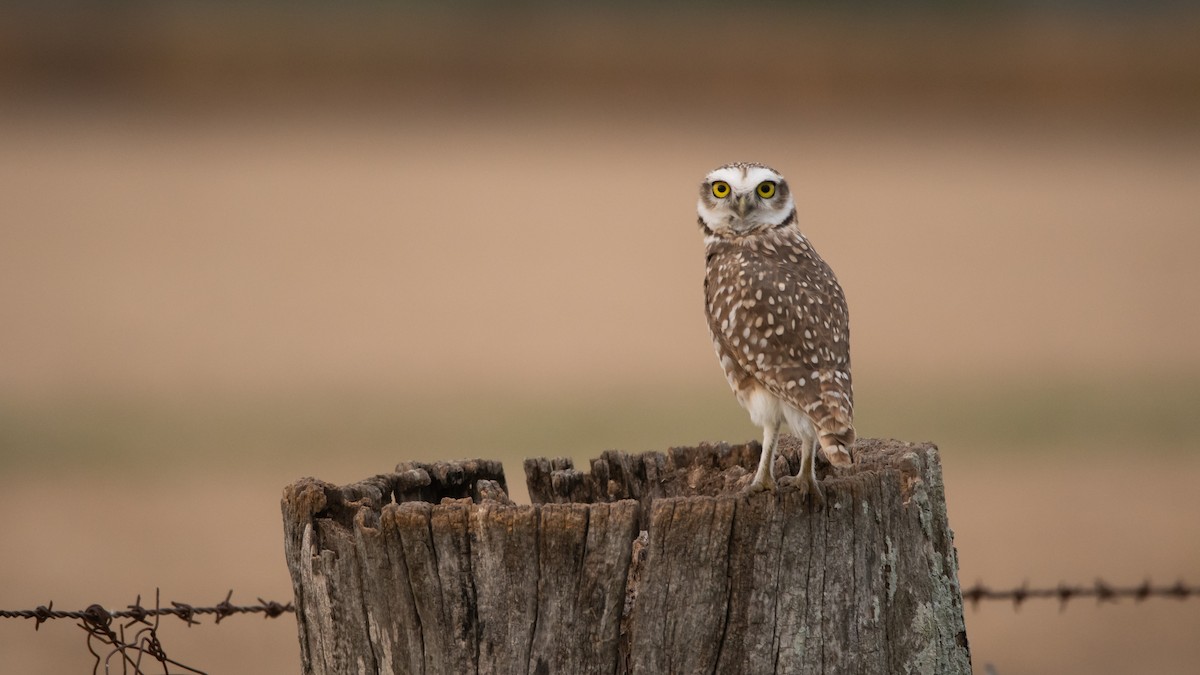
[777, 318]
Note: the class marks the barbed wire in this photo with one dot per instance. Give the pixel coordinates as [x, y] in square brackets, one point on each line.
[97, 622]
[188, 613]
[1101, 590]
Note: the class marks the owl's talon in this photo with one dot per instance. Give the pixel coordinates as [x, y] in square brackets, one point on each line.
[811, 492]
[761, 485]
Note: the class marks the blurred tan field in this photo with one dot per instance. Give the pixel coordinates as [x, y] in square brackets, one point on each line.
[226, 263]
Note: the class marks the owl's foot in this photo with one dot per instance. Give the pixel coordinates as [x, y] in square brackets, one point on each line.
[838, 455]
[809, 488]
[761, 484]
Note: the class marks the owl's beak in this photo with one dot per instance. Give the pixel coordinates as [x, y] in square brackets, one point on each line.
[742, 205]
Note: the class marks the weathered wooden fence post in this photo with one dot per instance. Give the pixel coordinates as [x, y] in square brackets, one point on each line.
[651, 563]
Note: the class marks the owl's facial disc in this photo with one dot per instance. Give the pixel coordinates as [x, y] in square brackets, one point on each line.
[740, 199]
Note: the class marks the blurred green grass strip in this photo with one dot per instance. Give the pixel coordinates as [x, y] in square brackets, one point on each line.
[378, 429]
[1155, 416]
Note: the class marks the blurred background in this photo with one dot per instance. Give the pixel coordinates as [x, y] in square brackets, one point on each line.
[245, 243]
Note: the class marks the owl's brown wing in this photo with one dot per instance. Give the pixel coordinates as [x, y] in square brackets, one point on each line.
[778, 312]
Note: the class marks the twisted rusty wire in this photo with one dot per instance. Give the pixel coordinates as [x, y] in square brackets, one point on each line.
[1101, 590]
[107, 645]
[187, 613]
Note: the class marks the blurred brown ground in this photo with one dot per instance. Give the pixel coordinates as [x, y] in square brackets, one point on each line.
[241, 247]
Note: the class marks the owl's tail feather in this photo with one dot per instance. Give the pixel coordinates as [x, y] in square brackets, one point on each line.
[836, 446]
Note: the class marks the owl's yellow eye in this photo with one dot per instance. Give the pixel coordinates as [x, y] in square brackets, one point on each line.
[720, 189]
[766, 189]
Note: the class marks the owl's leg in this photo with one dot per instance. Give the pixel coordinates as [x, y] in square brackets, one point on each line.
[765, 411]
[764, 478]
[806, 480]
